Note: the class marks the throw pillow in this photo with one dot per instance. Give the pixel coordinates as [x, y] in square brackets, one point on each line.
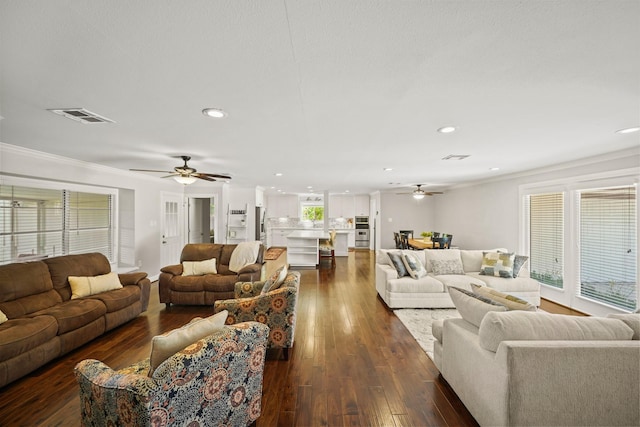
[275, 281]
[398, 263]
[199, 268]
[509, 301]
[473, 307]
[84, 286]
[414, 266]
[518, 262]
[3, 317]
[432, 255]
[166, 345]
[450, 266]
[498, 264]
[632, 320]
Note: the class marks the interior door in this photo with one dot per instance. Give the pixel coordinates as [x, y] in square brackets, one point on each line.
[172, 225]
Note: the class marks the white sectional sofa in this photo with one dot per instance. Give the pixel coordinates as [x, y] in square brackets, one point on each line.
[430, 291]
[540, 369]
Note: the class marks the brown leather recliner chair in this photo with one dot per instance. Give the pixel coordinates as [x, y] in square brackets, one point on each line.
[206, 289]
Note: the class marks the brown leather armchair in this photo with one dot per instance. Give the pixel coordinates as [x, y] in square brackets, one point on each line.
[206, 289]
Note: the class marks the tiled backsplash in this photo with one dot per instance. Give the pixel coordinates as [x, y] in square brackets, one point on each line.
[337, 223]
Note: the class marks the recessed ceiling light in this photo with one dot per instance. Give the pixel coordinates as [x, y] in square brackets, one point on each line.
[309, 187]
[346, 191]
[278, 174]
[629, 130]
[447, 129]
[216, 113]
[494, 169]
[387, 169]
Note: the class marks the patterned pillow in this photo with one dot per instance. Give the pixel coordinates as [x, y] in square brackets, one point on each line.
[396, 260]
[275, 281]
[518, 262]
[509, 301]
[166, 345]
[414, 266]
[473, 307]
[497, 264]
[449, 266]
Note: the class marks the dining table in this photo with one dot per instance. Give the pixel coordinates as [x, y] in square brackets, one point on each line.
[420, 244]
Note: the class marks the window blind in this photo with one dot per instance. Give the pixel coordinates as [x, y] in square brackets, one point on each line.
[546, 238]
[36, 222]
[608, 246]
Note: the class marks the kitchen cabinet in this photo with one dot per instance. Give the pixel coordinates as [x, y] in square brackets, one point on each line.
[278, 237]
[302, 247]
[341, 206]
[361, 205]
[285, 206]
[351, 239]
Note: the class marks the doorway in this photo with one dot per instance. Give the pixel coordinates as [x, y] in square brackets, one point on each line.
[201, 220]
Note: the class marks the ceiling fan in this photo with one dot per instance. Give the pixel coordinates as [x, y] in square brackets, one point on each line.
[185, 174]
[419, 193]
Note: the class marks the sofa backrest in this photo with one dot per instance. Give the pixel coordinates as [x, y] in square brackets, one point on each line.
[26, 288]
[84, 265]
[221, 252]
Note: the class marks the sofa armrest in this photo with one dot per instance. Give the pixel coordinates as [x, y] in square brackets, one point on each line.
[132, 278]
[248, 289]
[251, 268]
[175, 270]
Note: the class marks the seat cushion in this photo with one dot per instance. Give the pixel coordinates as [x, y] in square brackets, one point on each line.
[458, 280]
[408, 284]
[120, 298]
[18, 336]
[75, 314]
[507, 285]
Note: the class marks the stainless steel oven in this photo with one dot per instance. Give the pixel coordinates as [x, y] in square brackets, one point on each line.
[362, 238]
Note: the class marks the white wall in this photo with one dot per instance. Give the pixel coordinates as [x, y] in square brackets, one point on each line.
[486, 215]
[17, 161]
[403, 212]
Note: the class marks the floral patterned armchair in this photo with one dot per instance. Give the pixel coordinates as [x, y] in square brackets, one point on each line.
[276, 309]
[215, 381]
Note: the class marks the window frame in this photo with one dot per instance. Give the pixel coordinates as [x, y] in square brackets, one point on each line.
[82, 188]
[569, 296]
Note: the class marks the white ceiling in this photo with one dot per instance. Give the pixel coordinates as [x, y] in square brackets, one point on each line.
[326, 92]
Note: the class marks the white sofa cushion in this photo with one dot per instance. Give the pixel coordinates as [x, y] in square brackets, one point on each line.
[518, 284]
[473, 307]
[632, 320]
[426, 284]
[538, 326]
[459, 281]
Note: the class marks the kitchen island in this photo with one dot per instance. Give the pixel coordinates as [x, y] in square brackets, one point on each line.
[302, 247]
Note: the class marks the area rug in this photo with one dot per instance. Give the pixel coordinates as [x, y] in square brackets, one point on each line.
[273, 254]
[418, 321]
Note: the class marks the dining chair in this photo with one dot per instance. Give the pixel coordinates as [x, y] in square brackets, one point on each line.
[443, 242]
[404, 241]
[326, 247]
[397, 240]
[409, 233]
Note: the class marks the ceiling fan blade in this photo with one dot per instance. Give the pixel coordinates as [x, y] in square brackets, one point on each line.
[214, 175]
[202, 176]
[431, 193]
[149, 170]
[171, 175]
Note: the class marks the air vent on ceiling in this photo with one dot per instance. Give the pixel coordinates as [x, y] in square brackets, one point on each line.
[456, 157]
[81, 115]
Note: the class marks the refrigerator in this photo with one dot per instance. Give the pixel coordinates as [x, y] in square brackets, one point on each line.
[261, 232]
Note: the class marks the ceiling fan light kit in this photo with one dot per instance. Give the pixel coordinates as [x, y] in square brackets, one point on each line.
[186, 180]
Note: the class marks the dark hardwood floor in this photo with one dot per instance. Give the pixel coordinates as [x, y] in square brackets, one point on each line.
[353, 362]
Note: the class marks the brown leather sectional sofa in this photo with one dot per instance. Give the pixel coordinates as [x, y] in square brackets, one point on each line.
[205, 290]
[45, 323]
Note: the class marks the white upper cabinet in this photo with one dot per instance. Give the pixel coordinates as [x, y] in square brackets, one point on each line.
[285, 206]
[362, 205]
[341, 206]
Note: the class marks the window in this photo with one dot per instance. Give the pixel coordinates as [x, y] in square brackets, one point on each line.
[608, 246]
[37, 222]
[546, 242]
[581, 235]
[312, 213]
